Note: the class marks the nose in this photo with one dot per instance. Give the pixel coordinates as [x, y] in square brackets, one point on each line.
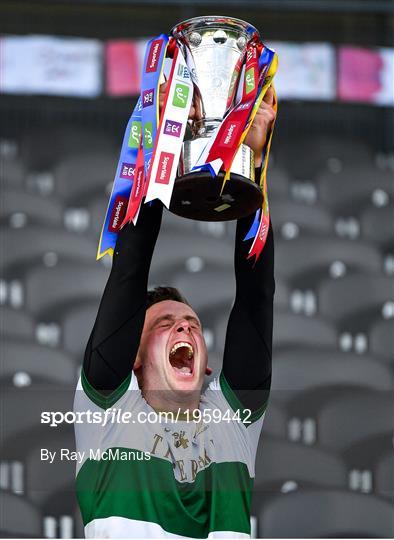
[183, 326]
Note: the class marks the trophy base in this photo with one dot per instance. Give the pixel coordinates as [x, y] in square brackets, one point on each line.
[196, 194]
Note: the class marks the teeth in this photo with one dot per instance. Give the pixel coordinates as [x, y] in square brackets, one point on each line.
[182, 344]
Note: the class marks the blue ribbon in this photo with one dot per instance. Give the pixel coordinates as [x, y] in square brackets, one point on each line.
[149, 95]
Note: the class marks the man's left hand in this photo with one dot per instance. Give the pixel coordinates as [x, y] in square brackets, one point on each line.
[261, 126]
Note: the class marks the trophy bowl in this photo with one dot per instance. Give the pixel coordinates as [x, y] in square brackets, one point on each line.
[214, 45]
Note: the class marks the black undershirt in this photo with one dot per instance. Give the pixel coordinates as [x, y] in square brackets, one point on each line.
[114, 341]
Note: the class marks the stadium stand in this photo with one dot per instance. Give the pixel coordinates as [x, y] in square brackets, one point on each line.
[337, 190]
[42, 477]
[16, 324]
[18, 422]
[12, 173]
[304, 369]
[283, 465]
[29, 245]
[330, 514]
[19, 517]
[64, 141]
[25, 363]
[46, 288]
[91, 173]
[362, 458]
[381, 339]
[291, 330]
[355, 300]
[75, 322]
[293, 218]
[308, 259]
[377, 225]
[26, 209]
[324, 153]
[344, 421]
[384, 476]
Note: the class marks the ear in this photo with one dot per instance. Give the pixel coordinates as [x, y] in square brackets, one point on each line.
[137, 363]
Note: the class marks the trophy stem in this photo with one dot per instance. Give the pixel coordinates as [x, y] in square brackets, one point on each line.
[206, 127]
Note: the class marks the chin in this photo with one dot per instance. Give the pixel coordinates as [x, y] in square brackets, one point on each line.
[182, 382]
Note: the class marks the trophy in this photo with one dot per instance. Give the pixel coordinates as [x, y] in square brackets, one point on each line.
[219, 65]
[215, 45]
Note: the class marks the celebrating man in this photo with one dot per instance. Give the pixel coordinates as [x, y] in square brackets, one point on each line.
[190, 475]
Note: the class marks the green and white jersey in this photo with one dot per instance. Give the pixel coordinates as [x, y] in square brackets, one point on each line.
[165, 479]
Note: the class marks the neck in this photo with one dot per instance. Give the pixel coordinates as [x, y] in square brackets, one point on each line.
[172, 401]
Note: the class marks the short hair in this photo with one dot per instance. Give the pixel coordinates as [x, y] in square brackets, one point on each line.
[158, 294]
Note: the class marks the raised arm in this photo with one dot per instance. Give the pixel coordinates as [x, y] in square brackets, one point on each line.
[114, 341]
[248, 347]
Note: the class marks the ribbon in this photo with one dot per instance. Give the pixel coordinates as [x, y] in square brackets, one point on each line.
[152, 72]
[171, 131]
[118, 201]
[262, 232]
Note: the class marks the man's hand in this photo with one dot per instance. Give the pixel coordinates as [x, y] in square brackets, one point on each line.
[195, 109]
[262, 123]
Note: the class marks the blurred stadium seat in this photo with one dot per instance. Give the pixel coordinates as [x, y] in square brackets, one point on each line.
[292, 330]
[179, 248]
[43, 478]
[326, 514]
[32, 244]
[283, 466]
[308, 259]
[306, 156]
[75, 323]
[19, 517]
[21, 209]
[25, 363]
[344, 421]
[292, 218]
[381, 339]
[12, 173]
[60, 508]
[208, 287]
[362, 458]
[21, 412]
[15, 324]
[304, 369]
[82, 175]
[278, 182]
[350, 190]
[353, 301]
[384, 475]
[377, 225]
[275, 421]
[66, 283]
[64, 141]
[96, 207]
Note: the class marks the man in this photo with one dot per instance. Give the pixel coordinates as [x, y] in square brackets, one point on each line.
[191, 476]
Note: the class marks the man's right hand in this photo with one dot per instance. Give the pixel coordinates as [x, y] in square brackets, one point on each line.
[195, 109]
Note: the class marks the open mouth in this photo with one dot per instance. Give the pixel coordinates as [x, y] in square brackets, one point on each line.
[181, 358]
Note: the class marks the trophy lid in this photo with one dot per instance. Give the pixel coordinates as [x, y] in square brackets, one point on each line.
[215, 21]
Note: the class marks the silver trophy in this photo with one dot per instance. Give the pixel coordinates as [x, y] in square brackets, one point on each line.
[215, 45]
